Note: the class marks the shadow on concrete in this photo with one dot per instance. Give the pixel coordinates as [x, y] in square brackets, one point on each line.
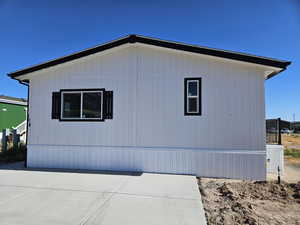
[20, 166]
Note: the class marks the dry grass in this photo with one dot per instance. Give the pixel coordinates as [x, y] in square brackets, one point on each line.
[292, 160]
[291, 145]
[291, 141]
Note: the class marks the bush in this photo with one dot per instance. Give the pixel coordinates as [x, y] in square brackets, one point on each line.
[292, 152]
[13, 155]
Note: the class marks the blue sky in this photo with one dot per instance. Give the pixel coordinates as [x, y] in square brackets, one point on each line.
[36, 31]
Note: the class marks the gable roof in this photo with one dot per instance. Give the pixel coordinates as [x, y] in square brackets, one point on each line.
[161, 43]
[12, 100]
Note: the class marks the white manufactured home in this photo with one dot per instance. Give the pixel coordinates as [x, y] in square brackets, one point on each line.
[144, 104]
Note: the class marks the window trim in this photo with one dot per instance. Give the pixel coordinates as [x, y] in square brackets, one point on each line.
[62, 91]
[198, 96]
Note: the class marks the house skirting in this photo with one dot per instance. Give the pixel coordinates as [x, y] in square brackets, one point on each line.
[238, 164]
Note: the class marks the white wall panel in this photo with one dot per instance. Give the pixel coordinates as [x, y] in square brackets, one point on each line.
[233, 107]
[148, 86]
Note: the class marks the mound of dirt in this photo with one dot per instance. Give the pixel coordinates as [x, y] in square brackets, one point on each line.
[245, 202]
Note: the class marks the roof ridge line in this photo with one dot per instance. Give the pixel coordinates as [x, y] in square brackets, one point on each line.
[134, 38]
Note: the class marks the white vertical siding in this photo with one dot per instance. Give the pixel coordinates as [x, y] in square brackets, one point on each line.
[232, 107]
[148, 83]
[112, 72]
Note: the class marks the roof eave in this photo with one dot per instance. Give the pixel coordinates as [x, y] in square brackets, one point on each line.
[161, 43]
[274, 73]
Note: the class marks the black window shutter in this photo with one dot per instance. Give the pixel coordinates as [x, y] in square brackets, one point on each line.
[56, 102]
[108, 105]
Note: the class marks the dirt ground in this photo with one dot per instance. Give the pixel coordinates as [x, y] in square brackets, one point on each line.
[291, 171]
[244, 202]
[239, 202]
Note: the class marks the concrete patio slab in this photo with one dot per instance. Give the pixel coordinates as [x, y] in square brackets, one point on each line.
[38, 197]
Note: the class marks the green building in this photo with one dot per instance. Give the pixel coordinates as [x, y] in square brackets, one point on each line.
[13, 111]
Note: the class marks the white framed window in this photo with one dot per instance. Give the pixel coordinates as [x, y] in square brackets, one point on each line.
[192, 96]
[82, 104]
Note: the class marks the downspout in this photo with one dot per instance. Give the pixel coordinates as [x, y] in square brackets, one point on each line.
[27, 116]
